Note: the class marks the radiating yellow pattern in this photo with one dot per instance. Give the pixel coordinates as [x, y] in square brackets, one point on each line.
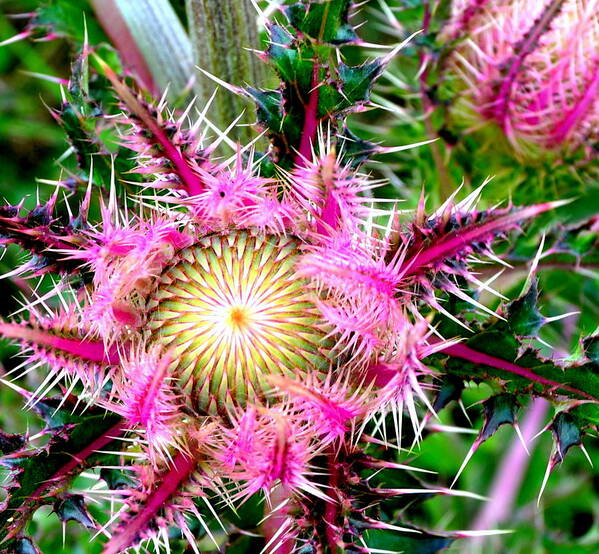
[232, 311]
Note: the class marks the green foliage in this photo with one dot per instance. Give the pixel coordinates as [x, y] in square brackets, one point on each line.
[41, 475]
[326, 21]
[499, 355]
[66, 18]
[523, 316]
[314, 90]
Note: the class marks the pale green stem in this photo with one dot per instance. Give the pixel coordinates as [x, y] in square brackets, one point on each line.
[151, 40]
[222, 34]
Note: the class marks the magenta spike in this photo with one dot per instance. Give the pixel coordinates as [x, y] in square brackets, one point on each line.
[454, 242]
[467, 353]
[192, 182]
[169, 482]
[94, 351]
[16, 38]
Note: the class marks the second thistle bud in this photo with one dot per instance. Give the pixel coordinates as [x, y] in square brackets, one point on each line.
[530, 66]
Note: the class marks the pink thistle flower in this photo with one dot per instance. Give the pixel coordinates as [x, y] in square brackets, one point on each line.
[247, 325]
[531, 67]
[145, 397]
[266, 447]
[331, 406]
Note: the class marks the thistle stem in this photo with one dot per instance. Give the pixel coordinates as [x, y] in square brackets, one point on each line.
[167, 486]
[107, 437]
[223, 33]
[445, 185]
[466, 353]
[310, 122]
[331, 508]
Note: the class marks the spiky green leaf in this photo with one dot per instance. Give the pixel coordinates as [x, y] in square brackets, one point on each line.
[566, 433]
[326, 21]
[357, 81]
[523, 314]
[498, 410]
[72, 508]
[38, 474]
[591, 348]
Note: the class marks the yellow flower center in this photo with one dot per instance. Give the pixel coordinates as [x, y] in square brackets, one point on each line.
[232, 311]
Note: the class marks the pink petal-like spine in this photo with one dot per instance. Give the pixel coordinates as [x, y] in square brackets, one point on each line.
[453, 243]
[191, 181]
[132, 530]
[94, 351]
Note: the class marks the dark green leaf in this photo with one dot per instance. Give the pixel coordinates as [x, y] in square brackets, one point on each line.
[357, 81]
[67, 18]
[450, 389]
[117, 478]
[523, 315]
[294, 65]
[591, 348]
[23, 545]
[326, 21]
[269, 106]
[498, 410]
[421, 543]
[353, 148]
[72, 508]
[566, 433]
[9, 443]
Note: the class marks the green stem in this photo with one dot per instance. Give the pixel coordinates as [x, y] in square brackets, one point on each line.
[221, 33]
[151, 40]
[446, 186]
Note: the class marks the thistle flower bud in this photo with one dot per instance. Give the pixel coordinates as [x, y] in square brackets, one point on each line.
[530, 66]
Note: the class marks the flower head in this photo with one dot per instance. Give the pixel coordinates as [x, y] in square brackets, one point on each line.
[247, 321]
[530, 66]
